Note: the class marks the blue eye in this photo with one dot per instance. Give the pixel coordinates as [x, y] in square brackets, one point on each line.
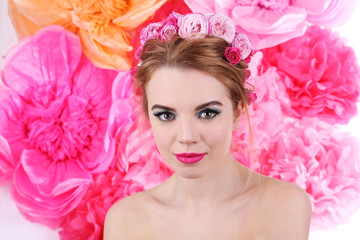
[209, 113]
[164, 116]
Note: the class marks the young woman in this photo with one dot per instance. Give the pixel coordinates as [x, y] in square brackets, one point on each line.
[192, 74]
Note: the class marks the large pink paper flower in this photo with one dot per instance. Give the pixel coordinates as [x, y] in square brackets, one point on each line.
[6, 162]
[129, 133]
[86, 221]
[54, 111]
[321, 159]
[138, 165]
[270, 22]
[323, 75]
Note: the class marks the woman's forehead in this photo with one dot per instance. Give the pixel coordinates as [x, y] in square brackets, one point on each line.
[184, 87]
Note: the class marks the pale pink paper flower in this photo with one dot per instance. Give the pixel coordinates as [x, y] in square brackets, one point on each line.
[222, 27]
[86, 221]
[193, 25]
[6, 162]
[265, 113]
[278, 5]
[323, 75]
[322, 160]
[271, 22]
[54, 112]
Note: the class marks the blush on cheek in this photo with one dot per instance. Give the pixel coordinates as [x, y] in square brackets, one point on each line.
[219, 136]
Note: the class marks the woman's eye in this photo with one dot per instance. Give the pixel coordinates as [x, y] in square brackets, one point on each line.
[164, 116]
[209, 113]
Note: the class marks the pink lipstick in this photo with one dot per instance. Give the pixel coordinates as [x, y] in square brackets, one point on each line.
[189, 158]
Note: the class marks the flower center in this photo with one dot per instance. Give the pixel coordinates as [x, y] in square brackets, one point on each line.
[62, 132]
[100, 12]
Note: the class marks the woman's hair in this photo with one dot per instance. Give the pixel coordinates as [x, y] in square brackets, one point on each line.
[204, 54]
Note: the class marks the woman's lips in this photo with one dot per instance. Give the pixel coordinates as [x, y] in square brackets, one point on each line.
[189, 158]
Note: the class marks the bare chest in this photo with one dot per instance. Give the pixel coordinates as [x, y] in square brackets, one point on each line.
[224, 223]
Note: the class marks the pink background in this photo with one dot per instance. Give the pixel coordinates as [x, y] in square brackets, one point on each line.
[14, 226]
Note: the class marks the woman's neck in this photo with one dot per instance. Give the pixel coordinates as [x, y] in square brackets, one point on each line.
[223, 182]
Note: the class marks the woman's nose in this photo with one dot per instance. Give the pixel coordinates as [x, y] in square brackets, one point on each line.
[187, 132]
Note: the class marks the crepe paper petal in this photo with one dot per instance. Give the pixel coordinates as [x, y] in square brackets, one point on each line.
[44, 190]
[7, 164]
[105, 28]
[86, 221]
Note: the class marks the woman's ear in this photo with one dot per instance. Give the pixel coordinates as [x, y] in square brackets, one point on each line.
[237, 116]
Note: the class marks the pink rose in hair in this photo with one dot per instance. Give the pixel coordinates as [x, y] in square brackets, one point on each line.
[233, 55]
[222, 26]
[168, 31]
[242, 42]
[251, 97]
[173, 18]
[150, 32]
[194, 25]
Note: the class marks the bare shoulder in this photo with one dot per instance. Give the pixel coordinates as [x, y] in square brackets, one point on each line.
[287, 208]
[123, 217]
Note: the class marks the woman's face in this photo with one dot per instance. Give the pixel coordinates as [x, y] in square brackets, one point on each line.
[190, 112]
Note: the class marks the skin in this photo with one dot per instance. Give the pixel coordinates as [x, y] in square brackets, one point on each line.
[216, 198]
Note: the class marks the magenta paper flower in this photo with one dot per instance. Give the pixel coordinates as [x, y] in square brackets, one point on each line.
[54, 113]
[321, 159]
[138, 165]
[86, 221]
[323, 75]
[129, 133]
[6, 162]
[270, 22]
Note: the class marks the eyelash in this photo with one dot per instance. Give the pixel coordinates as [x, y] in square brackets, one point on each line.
[214, 111]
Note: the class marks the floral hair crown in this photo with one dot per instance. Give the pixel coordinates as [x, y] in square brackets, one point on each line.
[197, 25]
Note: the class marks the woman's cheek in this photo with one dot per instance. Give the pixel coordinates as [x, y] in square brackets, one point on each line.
[219, 135]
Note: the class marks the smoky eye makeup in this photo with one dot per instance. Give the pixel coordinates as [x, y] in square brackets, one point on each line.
[209, 113]
[164, 116]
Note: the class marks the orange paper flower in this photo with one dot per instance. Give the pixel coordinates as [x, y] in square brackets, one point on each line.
[105, 27]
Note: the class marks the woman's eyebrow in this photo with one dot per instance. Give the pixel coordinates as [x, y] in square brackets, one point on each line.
[196, 109]
[208, 104]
